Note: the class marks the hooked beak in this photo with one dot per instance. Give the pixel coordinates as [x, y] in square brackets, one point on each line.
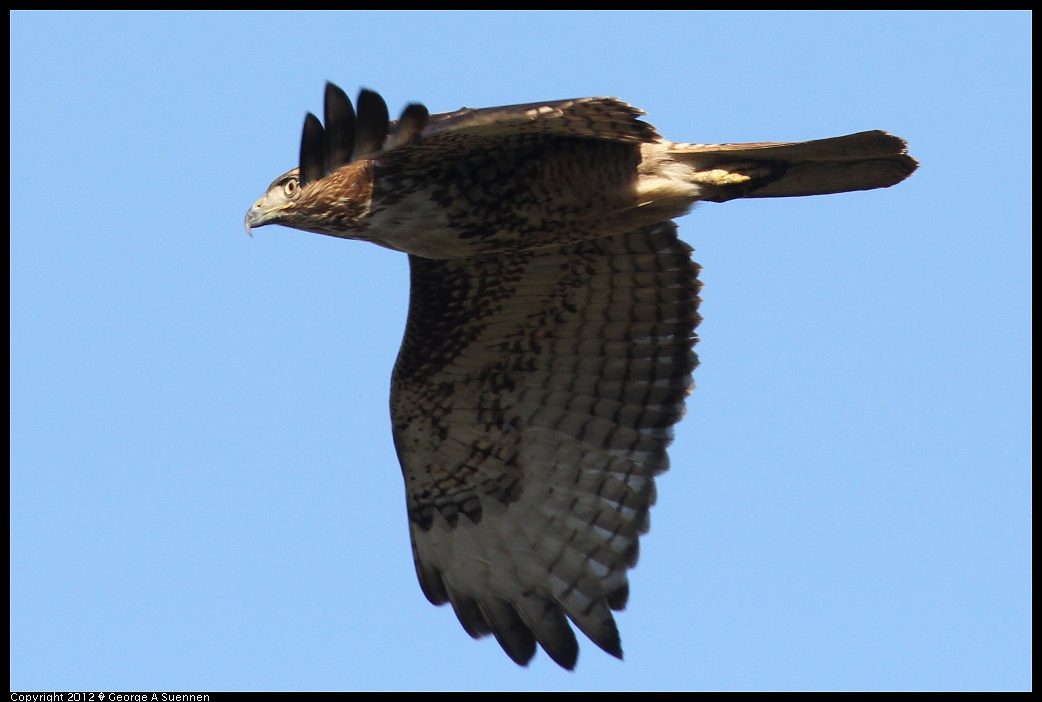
[258, 216]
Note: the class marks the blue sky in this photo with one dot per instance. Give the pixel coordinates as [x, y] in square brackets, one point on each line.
[204, 493]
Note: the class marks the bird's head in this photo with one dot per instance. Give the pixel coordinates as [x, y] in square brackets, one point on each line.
[330, 192]
[335, 205]
[280, 196]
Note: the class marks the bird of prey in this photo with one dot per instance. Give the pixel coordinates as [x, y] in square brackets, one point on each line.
[548, 348]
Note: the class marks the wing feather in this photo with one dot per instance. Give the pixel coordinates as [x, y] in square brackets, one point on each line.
[532, 404]
[594, 117]
[454, 133]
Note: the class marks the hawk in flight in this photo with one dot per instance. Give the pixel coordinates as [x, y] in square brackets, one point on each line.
[548, 349]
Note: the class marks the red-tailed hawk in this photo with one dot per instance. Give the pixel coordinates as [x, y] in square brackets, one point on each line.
[548, 349]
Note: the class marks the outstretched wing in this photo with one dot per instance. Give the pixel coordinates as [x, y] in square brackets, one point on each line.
[532, 403]
[588, 118]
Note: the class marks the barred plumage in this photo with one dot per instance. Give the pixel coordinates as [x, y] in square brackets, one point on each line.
[548, 349]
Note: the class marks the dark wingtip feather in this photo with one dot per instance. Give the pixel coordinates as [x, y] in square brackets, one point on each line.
[556, 637]
[618, 597]
[566, 655]
[372, 123]
[340, 127]
[411, 123]
[470, 616]
[312, 150]
[610, 641]
[516, 639]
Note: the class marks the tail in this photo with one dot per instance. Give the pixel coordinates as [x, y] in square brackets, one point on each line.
[862, 161]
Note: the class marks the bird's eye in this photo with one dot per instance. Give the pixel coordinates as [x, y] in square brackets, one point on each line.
[290, 187]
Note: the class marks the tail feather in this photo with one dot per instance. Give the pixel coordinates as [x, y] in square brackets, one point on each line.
[862, 161]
